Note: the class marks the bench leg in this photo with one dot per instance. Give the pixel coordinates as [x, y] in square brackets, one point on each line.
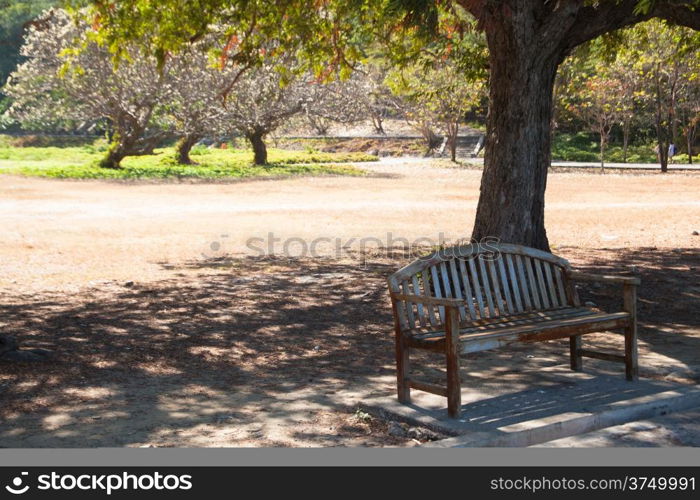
[631, 364]
[630, 305]
[402, 370]
[454, 389]
[575, 357]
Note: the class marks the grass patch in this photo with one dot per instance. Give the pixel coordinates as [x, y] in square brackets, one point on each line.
[585, 147]
[81, 163]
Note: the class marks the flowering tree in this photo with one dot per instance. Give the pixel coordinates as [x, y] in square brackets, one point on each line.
[261, 100]
[60, 82]
[192, 99]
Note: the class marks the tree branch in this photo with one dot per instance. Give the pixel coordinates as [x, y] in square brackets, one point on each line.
[595, 20]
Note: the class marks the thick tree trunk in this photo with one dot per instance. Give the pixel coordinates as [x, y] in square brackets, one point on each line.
[117, 152]
[184, 146]
[257, 141]
[518, 148]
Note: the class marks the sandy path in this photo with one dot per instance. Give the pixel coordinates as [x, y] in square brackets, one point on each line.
[63, 234]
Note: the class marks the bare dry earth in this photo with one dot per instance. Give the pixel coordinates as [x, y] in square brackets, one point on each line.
[214, 344]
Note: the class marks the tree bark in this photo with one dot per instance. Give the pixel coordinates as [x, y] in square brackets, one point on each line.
[452, 131]
[257, 141]
[117, 152]
[689, 142]
[184, 146]
[518, 148]
[625, 138]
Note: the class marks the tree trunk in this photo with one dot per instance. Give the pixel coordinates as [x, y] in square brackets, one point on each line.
[602, 154]
[184, 146]
[453, 130]
[378, 124]
[518, 139]
[116, 153]
[625, 138]
[689, 140]
[259, 149]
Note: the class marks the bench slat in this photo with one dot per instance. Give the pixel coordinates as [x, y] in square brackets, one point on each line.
[560, 285]
[523, 282]
[508, 321]
[477, 287]
[438, 291]
[493, 272]
[425, 277]
[532, 282]
[487, 289]
[505, 285]
[550, 284]
[541, 283]
[489, 337]
[419, 307]
[514, 282]
[409, 306]
[457, 287]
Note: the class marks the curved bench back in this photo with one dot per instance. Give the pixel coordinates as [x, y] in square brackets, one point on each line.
[495, 279]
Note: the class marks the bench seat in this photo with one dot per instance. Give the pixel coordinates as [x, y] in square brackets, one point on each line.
[530, 327]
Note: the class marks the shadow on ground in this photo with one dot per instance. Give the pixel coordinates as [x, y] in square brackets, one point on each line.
[230, 351]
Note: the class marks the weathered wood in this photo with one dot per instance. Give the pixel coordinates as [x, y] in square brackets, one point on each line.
[454, 392]
[425, 277]
[630, 306]
[560, 287]
[523, 282]
[419, 299]
[477, 288]
[514, 283]
[487, 289]
[438, 291]
[419, 305]
[505, 286]
[605, 356]
[428, 387]
[408, 305]
[581, 276]
[532, 282]
[513, 295]
[541, 284]
[550, 284]
[468, 294]
[500, 303]
[575, 353]
[402, 360]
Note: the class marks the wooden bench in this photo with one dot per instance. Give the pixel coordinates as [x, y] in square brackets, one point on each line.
[475, 297]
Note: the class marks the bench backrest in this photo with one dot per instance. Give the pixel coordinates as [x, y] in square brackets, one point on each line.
[495, 279]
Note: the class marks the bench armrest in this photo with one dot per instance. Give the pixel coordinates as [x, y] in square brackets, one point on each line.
[419, 299]
[604, 278]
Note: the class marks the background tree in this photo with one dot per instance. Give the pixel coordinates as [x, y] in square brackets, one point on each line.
[362, 96]
[261, 100]
[90, 88]
[438, 96]
[193, 99]
[667, 57]
[598, 99]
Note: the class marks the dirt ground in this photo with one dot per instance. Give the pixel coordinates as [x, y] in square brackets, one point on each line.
[173, 325]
